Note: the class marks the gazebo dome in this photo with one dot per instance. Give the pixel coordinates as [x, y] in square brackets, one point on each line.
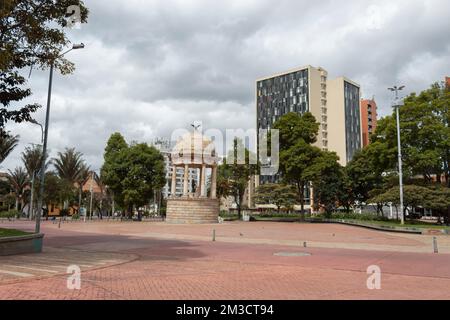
[194, 148]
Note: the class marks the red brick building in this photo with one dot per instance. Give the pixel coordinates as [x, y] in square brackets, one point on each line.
[447, 82]
[368, 119]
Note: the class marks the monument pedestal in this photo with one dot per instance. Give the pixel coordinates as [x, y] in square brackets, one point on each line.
[192, 210]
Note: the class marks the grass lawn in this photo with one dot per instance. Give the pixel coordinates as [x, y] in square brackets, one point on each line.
[11, 233]
[408, 224]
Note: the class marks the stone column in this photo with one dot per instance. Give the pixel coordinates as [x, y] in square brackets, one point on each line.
[202, 182]
[173, 189]
[186, 180]
[213, 182]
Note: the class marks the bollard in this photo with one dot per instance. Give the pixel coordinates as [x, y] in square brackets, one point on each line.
[59, 224]
[435, 247]
[304, 244]
[214, 235]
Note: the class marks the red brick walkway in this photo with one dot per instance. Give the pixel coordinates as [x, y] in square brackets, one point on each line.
[200, 269]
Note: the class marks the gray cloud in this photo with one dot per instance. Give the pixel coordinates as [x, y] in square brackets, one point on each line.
[150, 67]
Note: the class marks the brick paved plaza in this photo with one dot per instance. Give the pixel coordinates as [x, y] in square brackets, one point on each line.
[148, 260]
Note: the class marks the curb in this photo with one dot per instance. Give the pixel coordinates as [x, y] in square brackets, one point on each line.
[30, 243]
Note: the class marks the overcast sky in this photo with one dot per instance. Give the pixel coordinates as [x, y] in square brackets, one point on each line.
[150, 67]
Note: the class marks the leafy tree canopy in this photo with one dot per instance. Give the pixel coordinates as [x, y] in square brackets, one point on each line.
[425, 134]
[277, 194]
[31, 34]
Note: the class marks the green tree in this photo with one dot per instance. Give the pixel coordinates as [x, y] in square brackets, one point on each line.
[7, 144]
[18, 179]
[372, 170]
[56, 190]
[69, 166]
[32, 160]
[328, 182]
[145, 174]
[425, 134]
[416, 196]
[294, 127]
[80, 179]
[233, 175]
[114, 169]
[31, 34]
[297, 155]
[277, 194]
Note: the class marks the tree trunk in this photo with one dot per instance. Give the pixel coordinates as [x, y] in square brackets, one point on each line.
[130, 211]
[301, 188]
[79, 201]
[113, 207]
[238, 204]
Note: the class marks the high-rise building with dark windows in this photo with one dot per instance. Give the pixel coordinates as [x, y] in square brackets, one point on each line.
[344, 126]
[299, 90]
[334, 104]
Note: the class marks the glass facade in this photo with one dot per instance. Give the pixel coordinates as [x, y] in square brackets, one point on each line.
[280, 95]
[277, 96]
[352, 119]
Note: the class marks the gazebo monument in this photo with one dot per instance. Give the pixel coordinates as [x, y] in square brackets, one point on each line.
[195, 205]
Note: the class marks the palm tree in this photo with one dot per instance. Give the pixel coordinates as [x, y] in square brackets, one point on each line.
[7, 144]
[18, 180]
[82, 177]
[70, 166]
[32, 160]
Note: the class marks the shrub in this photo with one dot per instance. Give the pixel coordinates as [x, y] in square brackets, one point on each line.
[227, 214]
[355, 216]
[278, 215]
[10, 214]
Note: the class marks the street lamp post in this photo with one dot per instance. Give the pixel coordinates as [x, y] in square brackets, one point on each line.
[44, 145]
[42, 129]
[399, 147]
[92, 191]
